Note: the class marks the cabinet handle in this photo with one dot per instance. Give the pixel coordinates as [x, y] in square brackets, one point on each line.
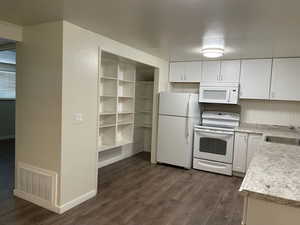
[219, 78]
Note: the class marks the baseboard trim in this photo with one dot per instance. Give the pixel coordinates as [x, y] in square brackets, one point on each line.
[57, 209]
[77, 201]
[35, 200]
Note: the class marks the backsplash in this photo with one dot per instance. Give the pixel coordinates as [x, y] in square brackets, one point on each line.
[271, 112]
[284, 113]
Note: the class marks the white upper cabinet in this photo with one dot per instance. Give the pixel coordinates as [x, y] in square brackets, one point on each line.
[230, 71]
[189, 72]
[221, 71]
[255, 78]
[211, 71]
[286, 79]
[176, 73]
[193, 71]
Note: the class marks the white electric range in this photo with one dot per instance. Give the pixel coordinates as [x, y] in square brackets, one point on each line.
[214, 141]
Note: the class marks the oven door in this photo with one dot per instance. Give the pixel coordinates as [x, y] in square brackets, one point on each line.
[213, 145]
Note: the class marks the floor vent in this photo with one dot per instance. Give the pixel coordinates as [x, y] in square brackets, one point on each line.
[37, 184]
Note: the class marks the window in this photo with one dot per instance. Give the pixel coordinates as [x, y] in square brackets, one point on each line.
[8, 74]
[7, 85]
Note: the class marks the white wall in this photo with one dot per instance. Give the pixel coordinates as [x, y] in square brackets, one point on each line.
[10, 31]
[79, 95]
[38, 101]
[257, 111]
[57, 71]
[271, 112]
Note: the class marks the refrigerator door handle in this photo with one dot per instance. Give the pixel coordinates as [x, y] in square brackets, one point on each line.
[187, 124]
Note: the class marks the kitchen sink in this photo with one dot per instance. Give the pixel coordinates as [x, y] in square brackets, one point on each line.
[283, 140]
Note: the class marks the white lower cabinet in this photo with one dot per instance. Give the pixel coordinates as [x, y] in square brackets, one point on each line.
[240, 152]
[261, 212]
[245, 145]
[253, 145]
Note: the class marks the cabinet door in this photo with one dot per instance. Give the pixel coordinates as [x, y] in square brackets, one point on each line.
[254, 141]
[230, 71]
[255, 78]
[240, 152]
[193, 72]
[286, 79]
[176, 73]
[211, 71]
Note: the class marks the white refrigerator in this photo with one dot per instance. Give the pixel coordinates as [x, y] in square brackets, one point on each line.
[178, 113]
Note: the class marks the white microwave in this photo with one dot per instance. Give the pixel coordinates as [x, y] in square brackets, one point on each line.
[225, 93]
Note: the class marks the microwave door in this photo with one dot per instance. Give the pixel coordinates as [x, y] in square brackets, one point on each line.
[214, 95]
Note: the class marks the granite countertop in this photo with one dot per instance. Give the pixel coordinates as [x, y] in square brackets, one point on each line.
[274, 172]
[263, 128]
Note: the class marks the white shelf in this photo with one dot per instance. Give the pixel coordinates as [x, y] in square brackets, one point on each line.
[108, 96]
[107, 125]
[127, 81]
[103, 148]
[128, 112]
[143, 118]
[108, 113]
[145, 82]
[145, 98]
[147, 125]
[145, 111]
[116, 107]
[125, 97]
[124, 123]
[109, 77]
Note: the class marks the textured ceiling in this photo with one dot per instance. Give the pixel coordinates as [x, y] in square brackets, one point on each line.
[176, 29]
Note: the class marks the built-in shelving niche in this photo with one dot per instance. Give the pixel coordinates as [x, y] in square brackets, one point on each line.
[125, 117]
[144, 108]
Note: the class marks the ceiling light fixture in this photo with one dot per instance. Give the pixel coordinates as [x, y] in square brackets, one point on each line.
[212, 52]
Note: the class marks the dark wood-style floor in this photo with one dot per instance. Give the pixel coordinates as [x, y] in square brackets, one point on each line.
[134, 192]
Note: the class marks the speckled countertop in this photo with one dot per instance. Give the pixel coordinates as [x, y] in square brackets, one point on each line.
[262, 128]
[274, 172]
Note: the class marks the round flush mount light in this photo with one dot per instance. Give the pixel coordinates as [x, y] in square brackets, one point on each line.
[212, 52]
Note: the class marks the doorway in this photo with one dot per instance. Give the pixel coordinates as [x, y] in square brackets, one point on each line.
[7, 117]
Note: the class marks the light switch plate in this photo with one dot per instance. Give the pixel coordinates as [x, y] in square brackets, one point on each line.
[78, 117]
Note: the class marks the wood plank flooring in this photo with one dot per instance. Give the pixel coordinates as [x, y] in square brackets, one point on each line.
[134, 192]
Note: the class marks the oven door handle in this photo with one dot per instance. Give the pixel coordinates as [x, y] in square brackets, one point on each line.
[213, 132]
[210, 164]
